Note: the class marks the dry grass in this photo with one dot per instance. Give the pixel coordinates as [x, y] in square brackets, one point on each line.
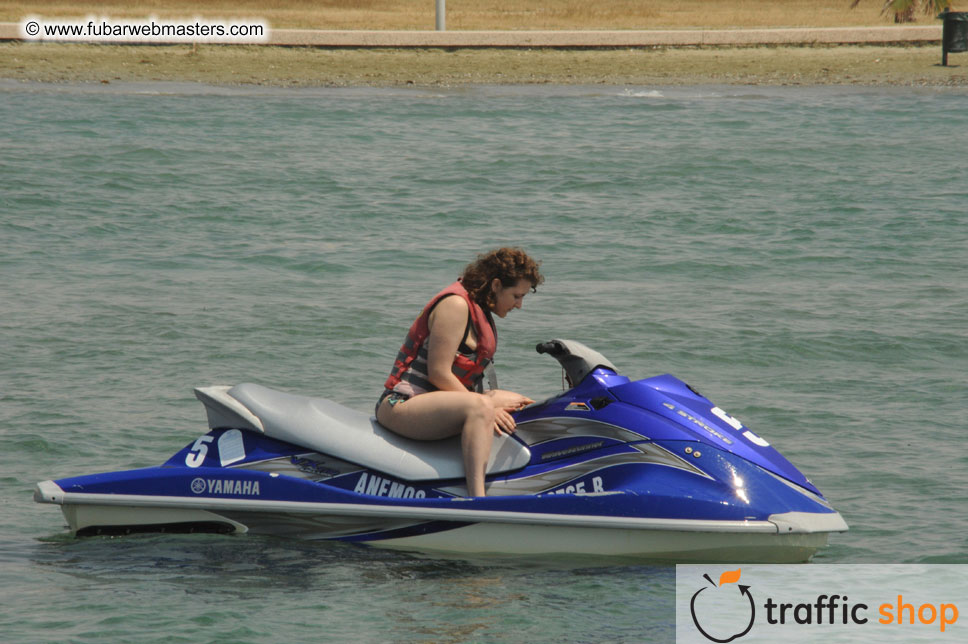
[486, 14]
[305, 66]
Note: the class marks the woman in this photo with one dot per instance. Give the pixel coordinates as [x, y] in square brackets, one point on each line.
[433, 389]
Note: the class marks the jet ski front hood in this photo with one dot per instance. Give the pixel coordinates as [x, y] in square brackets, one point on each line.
[674, 400]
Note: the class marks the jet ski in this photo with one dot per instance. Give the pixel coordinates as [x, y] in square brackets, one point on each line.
[647, 468]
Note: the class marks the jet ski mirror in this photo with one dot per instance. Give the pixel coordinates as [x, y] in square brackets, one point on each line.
[575, 358]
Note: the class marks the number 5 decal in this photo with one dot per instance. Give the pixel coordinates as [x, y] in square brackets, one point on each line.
[196, 456]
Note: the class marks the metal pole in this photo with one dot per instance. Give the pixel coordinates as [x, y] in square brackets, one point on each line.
[441, 10]
[944, 37]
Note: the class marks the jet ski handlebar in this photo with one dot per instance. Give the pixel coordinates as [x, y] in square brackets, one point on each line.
[575, 358]
[554, 348]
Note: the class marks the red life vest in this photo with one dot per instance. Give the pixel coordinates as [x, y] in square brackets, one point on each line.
[469, 369]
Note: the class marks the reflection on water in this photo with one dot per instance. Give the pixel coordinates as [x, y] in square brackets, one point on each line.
[356, 589]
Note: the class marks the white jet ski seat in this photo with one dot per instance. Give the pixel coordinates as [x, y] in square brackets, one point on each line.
[324, 426]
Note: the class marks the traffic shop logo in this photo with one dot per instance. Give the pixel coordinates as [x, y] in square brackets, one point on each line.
[726, 611]
[712, 599]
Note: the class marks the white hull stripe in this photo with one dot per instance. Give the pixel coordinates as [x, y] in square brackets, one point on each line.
[50, 492]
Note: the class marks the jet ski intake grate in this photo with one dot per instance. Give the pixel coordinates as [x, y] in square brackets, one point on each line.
[192, 527]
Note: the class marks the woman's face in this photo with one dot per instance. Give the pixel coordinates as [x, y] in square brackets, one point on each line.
[510, 297]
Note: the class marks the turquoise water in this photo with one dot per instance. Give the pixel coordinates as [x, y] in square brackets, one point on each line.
[798, 254]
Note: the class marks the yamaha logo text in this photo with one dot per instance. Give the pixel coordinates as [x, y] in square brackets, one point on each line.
[225, 486]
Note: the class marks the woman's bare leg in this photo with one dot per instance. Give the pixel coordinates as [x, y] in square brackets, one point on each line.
[441, 414]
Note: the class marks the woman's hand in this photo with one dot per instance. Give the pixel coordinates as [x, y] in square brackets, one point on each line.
[503, 422]
[508, 400]
[504, 403]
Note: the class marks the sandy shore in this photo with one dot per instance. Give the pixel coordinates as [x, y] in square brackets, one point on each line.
[303, 66]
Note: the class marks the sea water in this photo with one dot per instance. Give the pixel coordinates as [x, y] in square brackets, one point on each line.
[800, 255]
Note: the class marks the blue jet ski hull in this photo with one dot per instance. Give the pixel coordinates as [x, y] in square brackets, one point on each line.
[647, 469]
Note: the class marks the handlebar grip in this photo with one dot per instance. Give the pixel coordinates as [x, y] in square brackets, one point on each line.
[552, 348]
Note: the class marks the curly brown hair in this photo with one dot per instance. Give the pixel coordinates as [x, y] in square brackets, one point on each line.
[506, 264]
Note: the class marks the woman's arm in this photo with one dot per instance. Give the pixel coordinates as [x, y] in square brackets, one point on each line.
[447, 323]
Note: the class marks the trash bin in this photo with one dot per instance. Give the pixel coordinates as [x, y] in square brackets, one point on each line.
[954, 33]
